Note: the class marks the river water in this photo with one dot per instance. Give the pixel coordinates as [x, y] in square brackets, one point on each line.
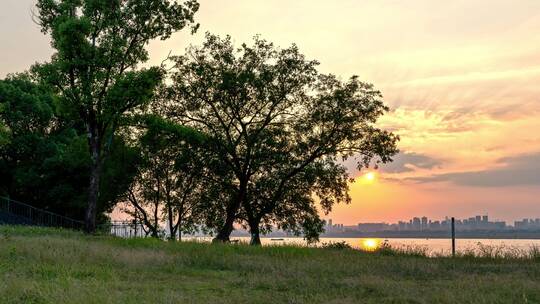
[431, 246]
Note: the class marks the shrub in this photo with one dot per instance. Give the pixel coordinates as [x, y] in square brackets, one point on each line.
[336, 245]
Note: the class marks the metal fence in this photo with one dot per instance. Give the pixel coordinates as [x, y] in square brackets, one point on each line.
[124, 229]
[13, 212]
[18, 213]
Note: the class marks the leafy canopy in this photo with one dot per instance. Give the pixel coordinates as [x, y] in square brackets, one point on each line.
[282, 126]
[46, 161]
[99, 45]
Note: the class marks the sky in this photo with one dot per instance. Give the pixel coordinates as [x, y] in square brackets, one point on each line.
[462, 79]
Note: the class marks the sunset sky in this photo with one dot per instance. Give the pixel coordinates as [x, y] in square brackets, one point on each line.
[462, 79]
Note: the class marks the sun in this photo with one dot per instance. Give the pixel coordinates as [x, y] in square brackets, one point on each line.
[370, 244]
[370, 176]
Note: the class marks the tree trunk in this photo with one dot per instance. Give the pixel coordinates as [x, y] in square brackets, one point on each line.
[93, 189]
[225, 231]
[179, 225]
[255, 233]
[94, 143]
[172, 229]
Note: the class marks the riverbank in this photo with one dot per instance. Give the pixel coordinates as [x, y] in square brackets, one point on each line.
[53, 266]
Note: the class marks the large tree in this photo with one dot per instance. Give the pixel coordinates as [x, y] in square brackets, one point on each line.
[277, 120]
[99, 45]
[170, 178]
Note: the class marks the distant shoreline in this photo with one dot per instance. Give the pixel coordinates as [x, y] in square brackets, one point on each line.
[510, 235]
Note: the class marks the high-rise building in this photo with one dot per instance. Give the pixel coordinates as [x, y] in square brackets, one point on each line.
[416, 224]
[424, 223]
[373, 227]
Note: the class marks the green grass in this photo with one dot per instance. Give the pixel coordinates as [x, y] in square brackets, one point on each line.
[56, 266]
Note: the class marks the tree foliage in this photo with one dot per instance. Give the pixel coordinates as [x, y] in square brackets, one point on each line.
[99, 45]
[46, 161]
[282, 128]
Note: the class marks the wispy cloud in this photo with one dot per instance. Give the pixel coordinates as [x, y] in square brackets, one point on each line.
[511, 171]
[472, 77]
[409, 162]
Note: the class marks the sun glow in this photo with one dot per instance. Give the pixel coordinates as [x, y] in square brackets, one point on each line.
[370, 177]
[370, 244]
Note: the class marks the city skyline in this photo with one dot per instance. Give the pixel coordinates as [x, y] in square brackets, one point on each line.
[462, 89]
[421, 221]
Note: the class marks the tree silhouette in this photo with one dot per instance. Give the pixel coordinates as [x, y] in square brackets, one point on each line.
[281, 128]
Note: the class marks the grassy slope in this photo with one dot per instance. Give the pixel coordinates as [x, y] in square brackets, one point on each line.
[50, 266]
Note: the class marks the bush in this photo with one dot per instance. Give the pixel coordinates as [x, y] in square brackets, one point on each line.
[336, 245]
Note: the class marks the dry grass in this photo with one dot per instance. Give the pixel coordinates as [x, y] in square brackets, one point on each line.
[52, 266]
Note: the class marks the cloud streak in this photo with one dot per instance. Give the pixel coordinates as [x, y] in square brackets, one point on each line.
[409, 162]
[513, 171]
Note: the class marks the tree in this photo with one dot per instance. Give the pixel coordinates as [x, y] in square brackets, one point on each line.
[27, 116]
[276, 119]
[99, 45]
[45, 163]
[170, 180]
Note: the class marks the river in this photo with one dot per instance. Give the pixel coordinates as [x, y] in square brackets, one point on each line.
[431, 246]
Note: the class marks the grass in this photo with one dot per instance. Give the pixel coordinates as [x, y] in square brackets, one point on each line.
[40, 265]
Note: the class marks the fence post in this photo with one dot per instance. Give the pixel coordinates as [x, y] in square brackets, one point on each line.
[453, 237]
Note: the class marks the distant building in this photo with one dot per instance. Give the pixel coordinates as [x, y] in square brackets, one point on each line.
[527, 224]
[424, 224]
[521, 224]
[435, 225]
[373, 227]
[499, 225]
[416, 224]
